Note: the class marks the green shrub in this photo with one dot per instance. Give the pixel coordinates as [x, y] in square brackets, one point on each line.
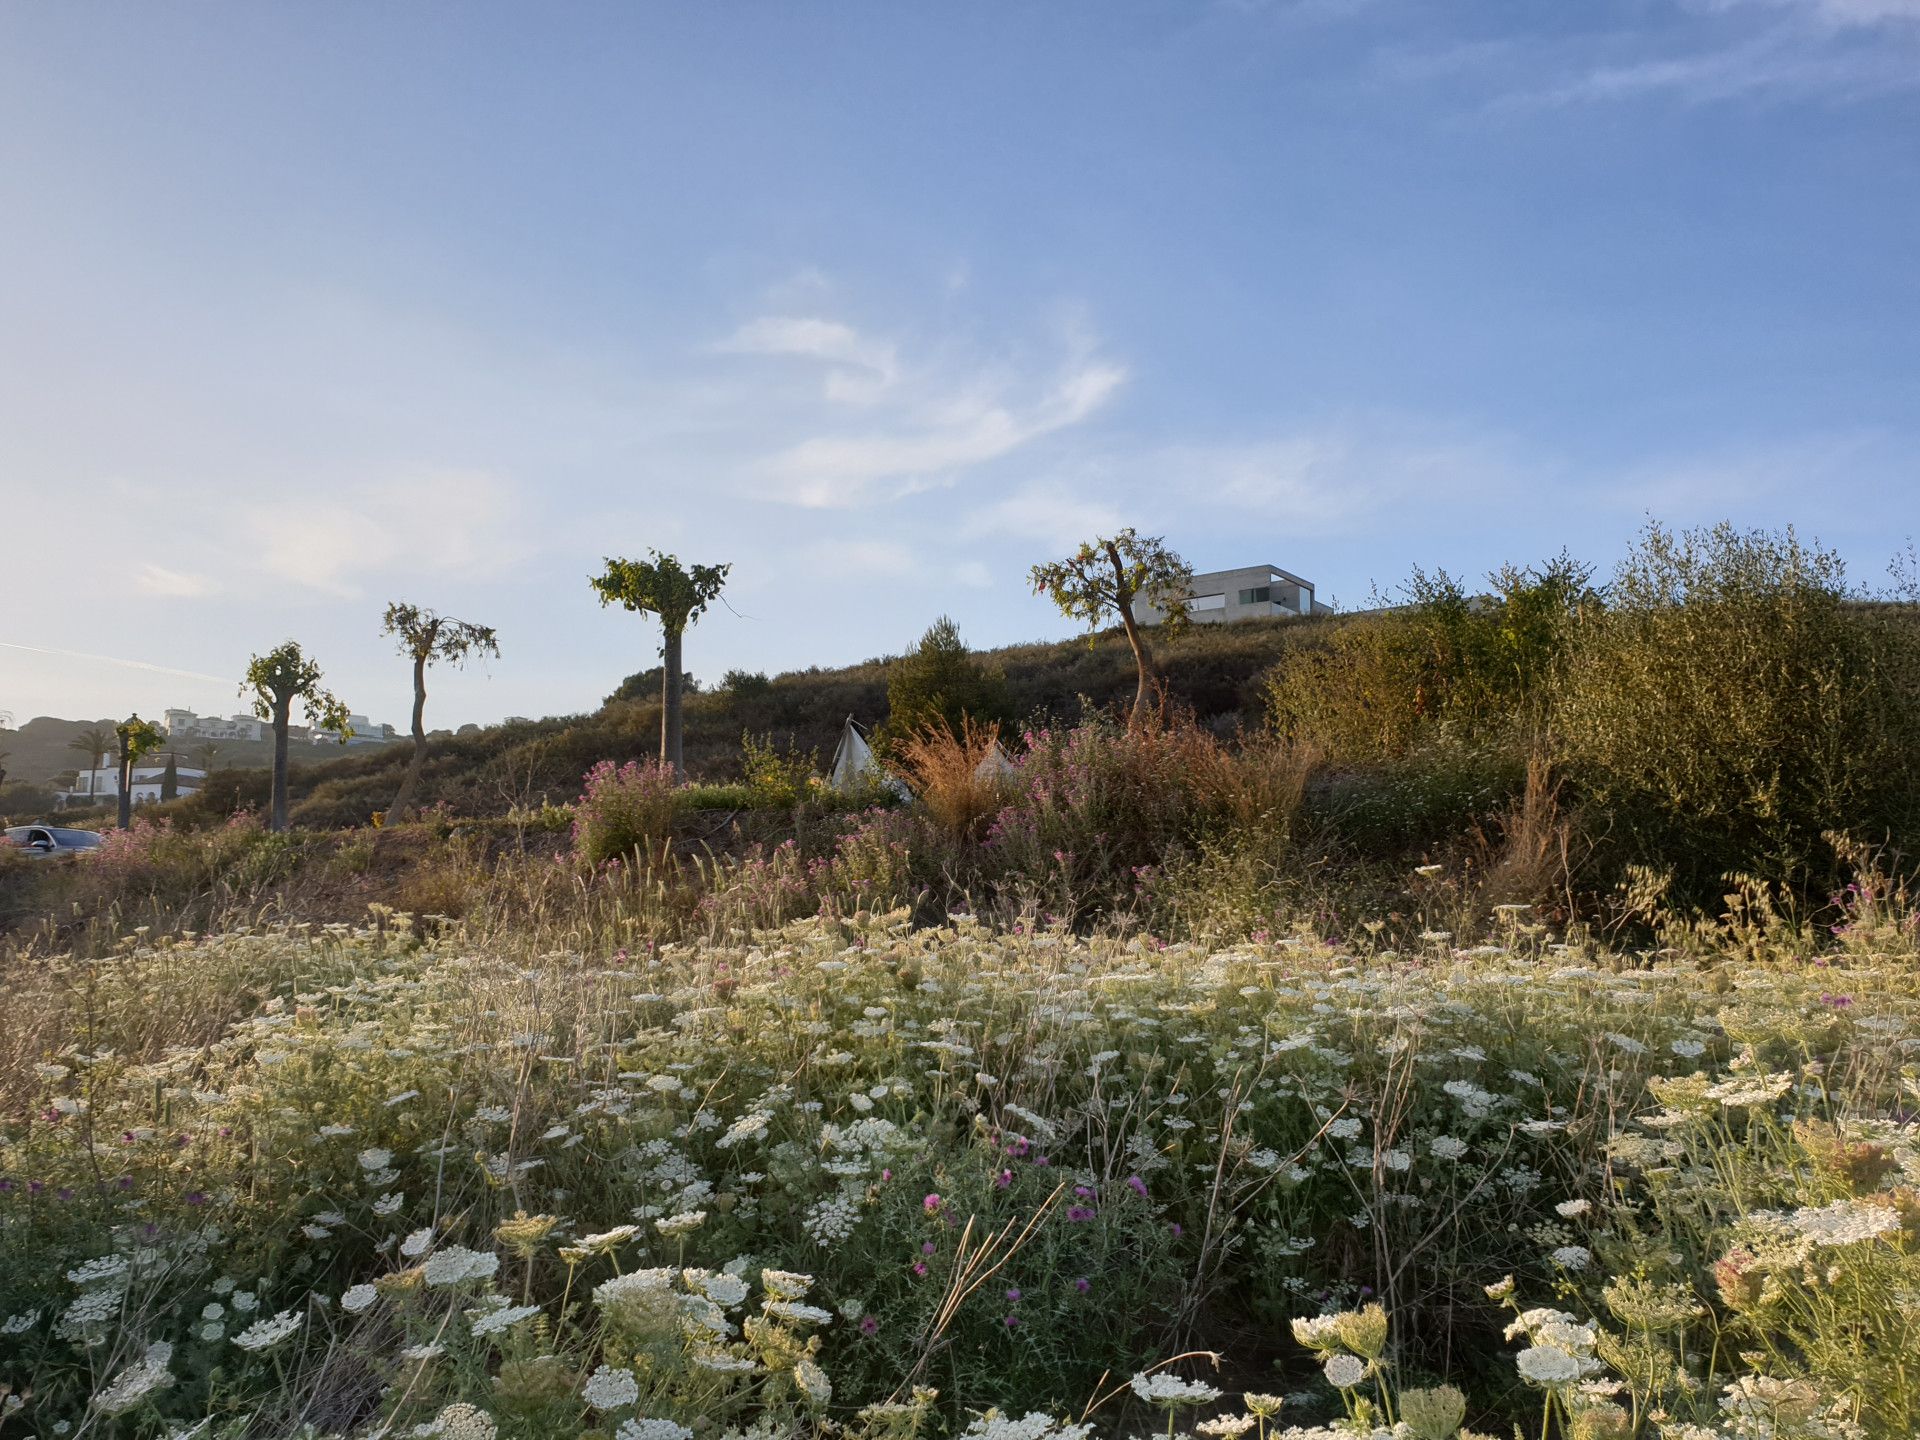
[942, 683]
[1442, 660]
[1734, 703]
[774, 779]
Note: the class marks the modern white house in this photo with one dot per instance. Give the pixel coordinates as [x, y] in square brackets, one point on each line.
[185, 725]
[361, 731]
[1253, 592]
[103, 783]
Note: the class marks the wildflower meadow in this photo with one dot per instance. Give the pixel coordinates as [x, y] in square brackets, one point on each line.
[863, 1176]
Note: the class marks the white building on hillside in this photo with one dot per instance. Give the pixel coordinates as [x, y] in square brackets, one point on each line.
[185, 725]
[361, 731]
[1250, 593]
[103, 783]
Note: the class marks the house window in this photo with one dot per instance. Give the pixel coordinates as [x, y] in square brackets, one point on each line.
[1259, 596]
[1207, 602]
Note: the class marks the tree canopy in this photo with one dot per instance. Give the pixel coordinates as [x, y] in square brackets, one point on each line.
[940, 682]
[1103, 579]
[428, 637]
[661, 586]
[285, 674]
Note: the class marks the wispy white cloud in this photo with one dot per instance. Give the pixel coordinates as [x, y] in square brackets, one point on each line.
[1054, 515]
[1696, 52]
[1840, 13]
[430, 522]
[1779, 64]
[953, 424]
[153, 579]
[860, 369]
[1827, 50]
[1709, 484]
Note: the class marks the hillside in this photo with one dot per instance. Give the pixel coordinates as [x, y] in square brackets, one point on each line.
[1215, 670]
[40, 750]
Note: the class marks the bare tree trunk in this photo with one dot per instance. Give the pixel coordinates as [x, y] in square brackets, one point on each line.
[670, 706]
[126, 784]
[412, 780]
[277, 815]
[1142, 657]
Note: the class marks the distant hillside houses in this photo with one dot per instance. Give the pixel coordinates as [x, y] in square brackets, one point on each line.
[92, 786]
[360, 731]
[1253, 592]
[185, 725]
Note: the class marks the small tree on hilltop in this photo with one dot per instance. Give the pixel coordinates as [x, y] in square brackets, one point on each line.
[134, 738]
[426, 636]
[274, 681]
[1105, 577]
[941, 683]
[663, 587]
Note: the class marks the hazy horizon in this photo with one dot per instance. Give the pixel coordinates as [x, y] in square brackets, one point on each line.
[314, 308]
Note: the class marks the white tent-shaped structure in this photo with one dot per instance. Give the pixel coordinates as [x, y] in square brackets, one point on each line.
[853, 762]
[994, 767]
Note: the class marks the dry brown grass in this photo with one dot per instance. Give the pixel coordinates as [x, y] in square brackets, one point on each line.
[1539, 846]
[1259, 785]
[944, 771]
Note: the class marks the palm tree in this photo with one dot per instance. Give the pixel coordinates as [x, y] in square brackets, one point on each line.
[204, 754]
[96, 742]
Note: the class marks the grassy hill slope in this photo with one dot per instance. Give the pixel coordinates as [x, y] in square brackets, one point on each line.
[40, 750]
[1214, 669]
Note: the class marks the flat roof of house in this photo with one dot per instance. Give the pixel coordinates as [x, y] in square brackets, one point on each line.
[1287, 575]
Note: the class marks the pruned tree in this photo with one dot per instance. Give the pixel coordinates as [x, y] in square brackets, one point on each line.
[96, 742]
[1103, 579]
[427, 637]
[134, 738]
[274, 681]
[661, 586]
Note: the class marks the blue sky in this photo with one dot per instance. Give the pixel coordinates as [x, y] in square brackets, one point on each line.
[309, 307]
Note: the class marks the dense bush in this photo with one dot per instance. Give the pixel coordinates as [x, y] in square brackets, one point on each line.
[1438, 662]
[1733, 703]
[941, 683]
[626, 812]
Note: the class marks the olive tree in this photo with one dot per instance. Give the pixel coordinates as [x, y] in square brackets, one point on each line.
[1103, 579]
[274, 681]
[133, 739]
[677, 595]
[426, 637]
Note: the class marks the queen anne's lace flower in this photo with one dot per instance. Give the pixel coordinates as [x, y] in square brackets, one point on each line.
[641, 1429]
[1343, 1372]
[265, 1334]
[1844, 1222]
[1164, 1389]
[1547, 1366]
[456, 1264]
[812, 1381]
[358, 1298]
[461, 1421]
[504, 1318]
[137, 1381]
[609, 1389]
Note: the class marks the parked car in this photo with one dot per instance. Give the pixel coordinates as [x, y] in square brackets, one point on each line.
[45, 840]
